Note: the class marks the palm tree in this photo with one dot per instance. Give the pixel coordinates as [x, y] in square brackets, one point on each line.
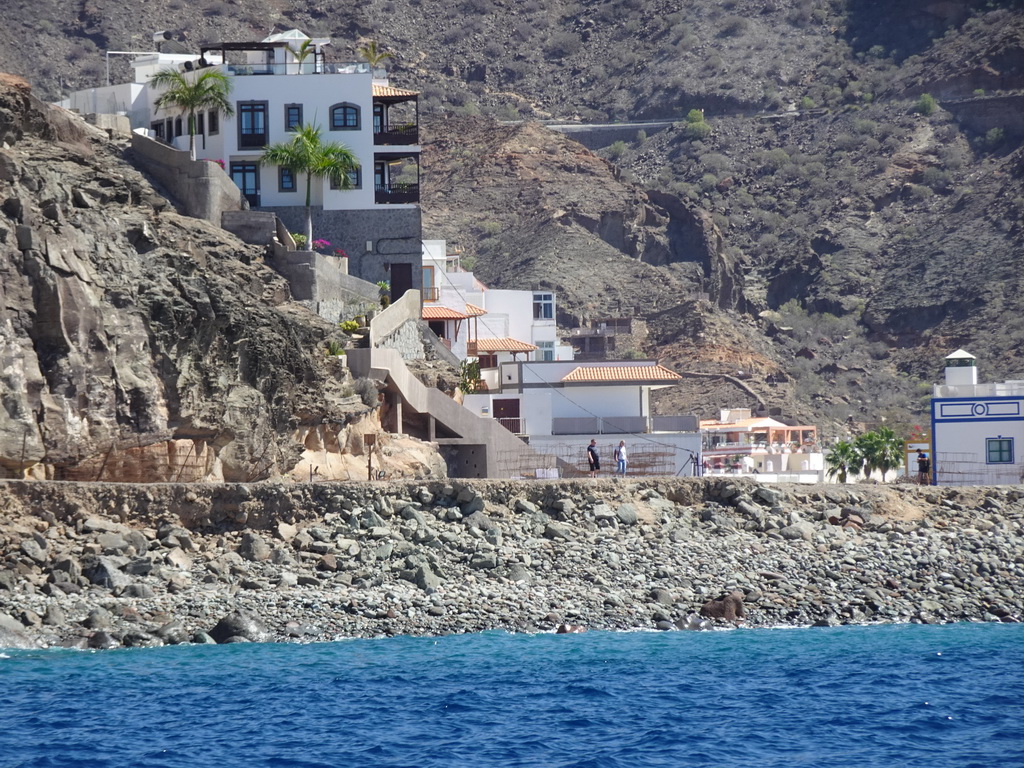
[208, 90]
[891, 451]
[868, 447]
[373, 55]
[302, 52]
[306, 153]
[843, 460]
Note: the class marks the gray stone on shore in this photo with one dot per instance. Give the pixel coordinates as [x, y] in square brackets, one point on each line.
[240, 624]
[106, 572]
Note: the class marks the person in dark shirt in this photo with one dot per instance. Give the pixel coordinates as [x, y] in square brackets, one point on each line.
[593, 458]
[924, 469]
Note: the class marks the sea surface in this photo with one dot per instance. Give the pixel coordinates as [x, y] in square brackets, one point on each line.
[886, 696]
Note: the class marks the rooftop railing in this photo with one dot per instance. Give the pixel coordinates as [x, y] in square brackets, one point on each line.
[296, 68]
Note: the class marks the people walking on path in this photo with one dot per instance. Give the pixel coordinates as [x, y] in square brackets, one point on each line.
[622, 458]
[593, 458]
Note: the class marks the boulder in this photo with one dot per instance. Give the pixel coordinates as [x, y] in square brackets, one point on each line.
[33, 549]
[555, 531]
[13, 635]
[240, 624]
[106, 572]
[172, 633]
[626, 514]
[483, 561]
[254, 547]
[728, 607]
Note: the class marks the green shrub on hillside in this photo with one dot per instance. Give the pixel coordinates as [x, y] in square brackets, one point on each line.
[925, 105]
[617, 150]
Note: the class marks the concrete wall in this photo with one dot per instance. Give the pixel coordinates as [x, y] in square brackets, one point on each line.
[201, 188]
[254, 227]
[984, 113]
[394, 317]
[393, 235]
[599, 136]
[322, 283]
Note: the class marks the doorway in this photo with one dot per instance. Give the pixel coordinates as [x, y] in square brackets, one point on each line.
[401, 280]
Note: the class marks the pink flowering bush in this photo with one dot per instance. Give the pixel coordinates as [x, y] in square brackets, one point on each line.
[341, 253]
[321, 244]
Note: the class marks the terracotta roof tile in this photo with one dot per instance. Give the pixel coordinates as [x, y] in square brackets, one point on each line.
[624, 373]
[474, 311]
[503, 345]
[384, 91]
[434, 312]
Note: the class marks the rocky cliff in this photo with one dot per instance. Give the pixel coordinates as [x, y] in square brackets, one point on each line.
[137, 343]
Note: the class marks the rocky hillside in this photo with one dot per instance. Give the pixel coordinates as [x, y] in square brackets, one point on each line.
[136, 343]
[818, 243]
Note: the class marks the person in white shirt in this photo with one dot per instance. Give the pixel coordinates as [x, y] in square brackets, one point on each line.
[621, 457]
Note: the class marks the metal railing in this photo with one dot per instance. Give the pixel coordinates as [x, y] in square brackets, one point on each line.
[397, 134]
[397, 193]
[295, 68]
[514, 424]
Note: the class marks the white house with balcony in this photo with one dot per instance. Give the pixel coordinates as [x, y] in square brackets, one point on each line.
[493, 325]
[977, 429]
[277, 85]
[559, 406]
[740, 443]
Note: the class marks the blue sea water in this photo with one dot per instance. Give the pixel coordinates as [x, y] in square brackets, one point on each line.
[882, 696]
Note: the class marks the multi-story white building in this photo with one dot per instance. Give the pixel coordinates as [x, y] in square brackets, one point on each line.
[977, 429]
[490, 324]
[278, 84]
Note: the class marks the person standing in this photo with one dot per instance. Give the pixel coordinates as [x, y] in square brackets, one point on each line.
[593, 458]
[924, 469]
[622, 458]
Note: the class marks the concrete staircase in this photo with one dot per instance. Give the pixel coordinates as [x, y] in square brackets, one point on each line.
[474, 446]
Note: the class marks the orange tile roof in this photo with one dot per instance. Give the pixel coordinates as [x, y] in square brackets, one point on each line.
[474, 311]
[433, 312]
[624, 373]
[503, 345]
[384, 91]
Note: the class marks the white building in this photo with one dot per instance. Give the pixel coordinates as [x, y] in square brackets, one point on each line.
[740, 443]
[558, 406]
[494, 326]
[282, 82]
[977, 429]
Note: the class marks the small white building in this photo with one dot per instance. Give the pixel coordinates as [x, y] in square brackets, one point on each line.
[977, 429]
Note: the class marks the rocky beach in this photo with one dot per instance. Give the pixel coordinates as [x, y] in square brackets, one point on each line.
[98, 565]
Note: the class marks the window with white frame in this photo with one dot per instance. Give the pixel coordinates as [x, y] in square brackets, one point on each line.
[546, 351]
[999, 450]
[543, 306]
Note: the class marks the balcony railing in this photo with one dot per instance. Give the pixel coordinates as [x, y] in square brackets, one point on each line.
[621, 425]
[431, 293]
[295, 68]
[516, 425]
[397, 134]
[397, 193]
